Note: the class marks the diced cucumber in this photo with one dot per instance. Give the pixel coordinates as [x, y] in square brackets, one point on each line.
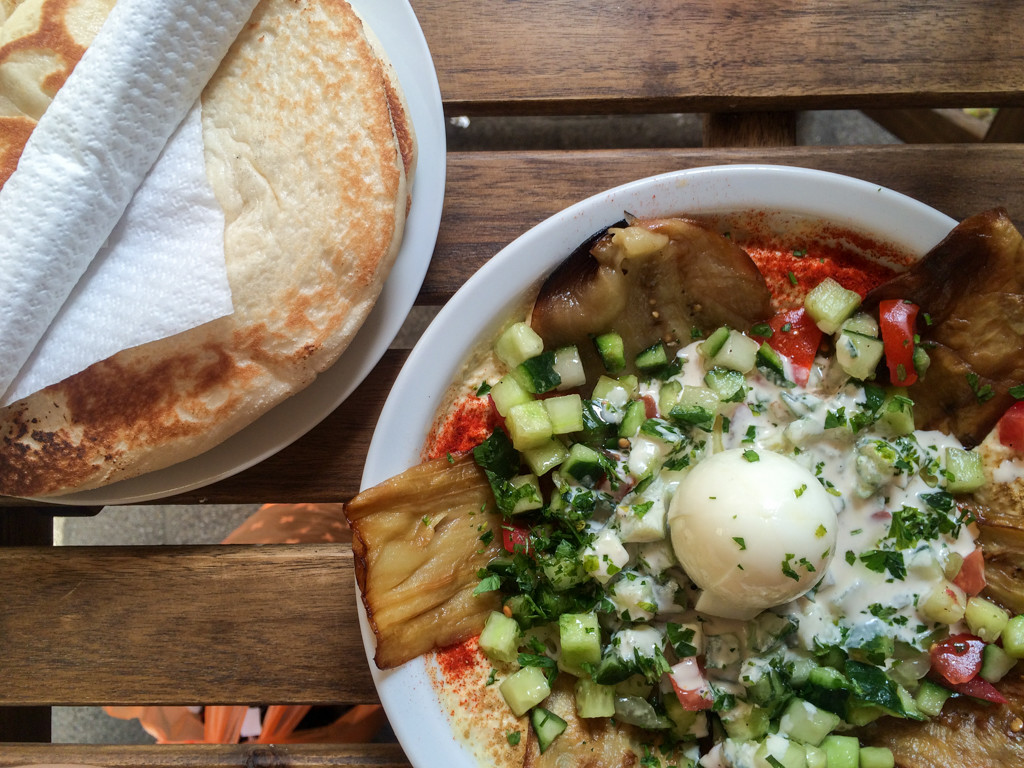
[528, 425]
[594, 699]
[995, 663]
[569, 367]
[771, 362]
[547, 725]
[930, 697]
[896, 416]
[538, 374]
[546, 457]
[683, 720]
[611, 350]
[829, 304]
[563, 572]
[517, 343]
[507, 393]
[525, 689]
[807, 723]
[580, 637]
[1013, 637]
[946, 603]
[744, 721]
[921, 361]
[862, 323]
[985, 619]
[636, 415]
[966, 469]
[668, 396]
[728, 384]
[565, 413]
[697, 406]
[525, 611]
[858, 714]
[583, 464]
[815, 756]
[737, 353]
[611, 390]
[713, 344]
[858, 355]
[876, 757]
[528, 501]
[841, 751]
[783, 752]
[827, 678]
[500, 637]
[652, 358]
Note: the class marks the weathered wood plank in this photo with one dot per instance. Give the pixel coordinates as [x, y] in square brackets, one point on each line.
[208, 756]
[722, 55]
[272, 624]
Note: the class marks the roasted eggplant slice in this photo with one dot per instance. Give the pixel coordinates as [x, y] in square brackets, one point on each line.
[654, 279]
[417, 546]
[968, 734]
[971, 287]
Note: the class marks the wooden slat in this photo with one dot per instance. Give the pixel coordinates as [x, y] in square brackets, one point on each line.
[493, 197]
[207, 756]
[1007, 125]
[722, 55]
[929, 126]
[271, 624]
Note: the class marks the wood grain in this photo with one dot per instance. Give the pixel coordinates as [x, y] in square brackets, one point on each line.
[272, 624]
[207, 756]
[579, 56]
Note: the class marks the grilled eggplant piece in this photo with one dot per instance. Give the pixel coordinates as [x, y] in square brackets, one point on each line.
[971, 285]
[968, 733]
[652, 279]
[416, 539]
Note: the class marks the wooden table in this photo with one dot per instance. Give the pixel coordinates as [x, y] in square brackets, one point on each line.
[84, 625]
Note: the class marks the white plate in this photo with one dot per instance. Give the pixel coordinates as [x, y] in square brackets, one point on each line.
[485, 300]
[395, 24]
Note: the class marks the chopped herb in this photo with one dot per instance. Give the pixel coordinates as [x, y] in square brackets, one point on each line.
[681, 640]
[546, 663]
[786, 327]
[487, 584]
[696, 333]
[927, 318]
[820, 532]
[984, 392]
[740, 541]
[483, 389]
[513, 738]
[492, 677]
[487, 537]
[763, 330]
[884, 612]
[792, 277]
[798, 492]
[851, 557]
[800, 252]
[750, 434]
[426, 521]
[751, 456]
[882, 560]
[787, 569]
[451, 459]
[1017, 393]
[836, 418]
[807, 565]
[639, 510]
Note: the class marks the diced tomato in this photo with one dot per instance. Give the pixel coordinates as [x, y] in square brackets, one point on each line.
[980, 689]
[796, 337]
[515, 538]
[1011, 427]
[958, 658]
[896, 321]
[690, 684]
[971, 578]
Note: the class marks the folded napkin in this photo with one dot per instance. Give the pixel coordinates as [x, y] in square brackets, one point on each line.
[80, 169]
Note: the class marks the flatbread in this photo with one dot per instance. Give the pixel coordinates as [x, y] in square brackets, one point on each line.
[302, 126]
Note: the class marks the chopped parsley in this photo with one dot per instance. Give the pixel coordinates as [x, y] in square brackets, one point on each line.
[751, 455]
[740, 542]
[483, 389]
[983, 392]
[513, 738]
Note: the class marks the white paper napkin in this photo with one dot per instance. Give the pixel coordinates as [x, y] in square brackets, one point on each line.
[82, 165]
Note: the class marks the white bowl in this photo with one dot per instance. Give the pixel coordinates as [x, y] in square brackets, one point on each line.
[491, 293]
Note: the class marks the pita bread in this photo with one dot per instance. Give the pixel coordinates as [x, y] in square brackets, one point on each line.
[310, 153]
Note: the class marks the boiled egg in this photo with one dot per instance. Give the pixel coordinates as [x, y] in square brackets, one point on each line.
[752, 529]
